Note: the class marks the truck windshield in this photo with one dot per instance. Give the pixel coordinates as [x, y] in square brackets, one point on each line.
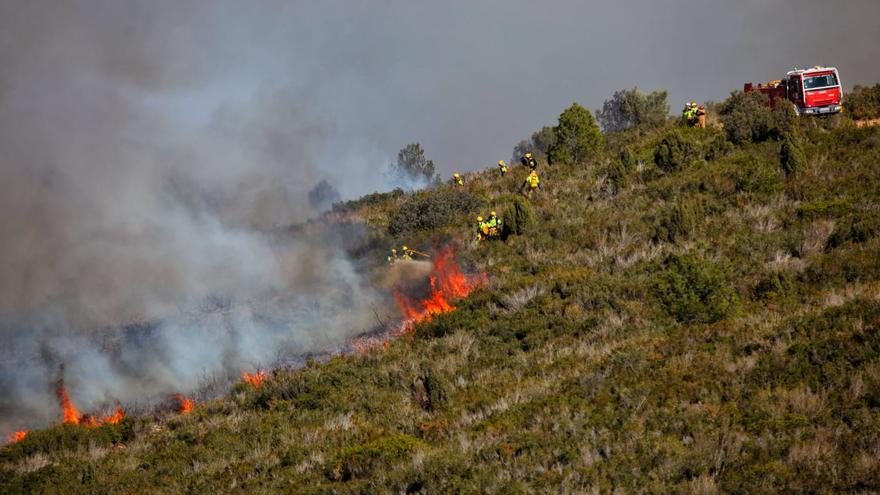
[822, 81]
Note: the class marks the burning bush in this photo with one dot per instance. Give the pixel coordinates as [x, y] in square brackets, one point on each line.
[255, 379]
[447, 283]
[72, 416]
[184, 404]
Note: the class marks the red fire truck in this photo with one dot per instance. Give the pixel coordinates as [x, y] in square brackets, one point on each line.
[815, 91]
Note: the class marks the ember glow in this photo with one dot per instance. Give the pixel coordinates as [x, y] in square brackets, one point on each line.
[255, 379]
[70, 415]
[447, 284]
[17, 436]
[184, 405]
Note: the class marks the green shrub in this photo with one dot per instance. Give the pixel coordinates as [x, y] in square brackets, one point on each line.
[824, 208]
[694, 290]
[673, 222]
[754, 174]
[863, 102]
[791, 156]
[578, 138]
[774, 286]
[681, 148]
[632, 108]
[360, 460]
[432, 209]
[854, 229]
[747, 117]
[518, 218]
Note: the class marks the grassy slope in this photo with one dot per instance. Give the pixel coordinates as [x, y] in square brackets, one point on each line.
[568, 374]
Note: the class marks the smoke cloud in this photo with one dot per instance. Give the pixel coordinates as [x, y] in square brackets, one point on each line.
[151, 153]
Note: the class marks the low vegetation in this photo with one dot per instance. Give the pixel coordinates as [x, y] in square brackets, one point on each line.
[676, 311]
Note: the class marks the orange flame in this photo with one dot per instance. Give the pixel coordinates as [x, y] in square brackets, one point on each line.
[116, 417]
[447, 284]
[72, 416]
[184, 405]
[17, 436]
[255, 379]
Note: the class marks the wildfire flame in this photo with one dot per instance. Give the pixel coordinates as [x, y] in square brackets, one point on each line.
[70, 415]
[17, 436]
[184, 405]
[255, 379]
[447, 284]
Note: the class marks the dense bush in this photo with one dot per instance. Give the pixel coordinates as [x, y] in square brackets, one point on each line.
[694, 290]
[578, 138]
[855, 228]
[675, 221]
[863, 102]
[360, 460]
[632, 108]
[539, 144]
[680, 148]
[747, 117]
[518, 218]
[368, 200]
[791, 156]
[431, 209]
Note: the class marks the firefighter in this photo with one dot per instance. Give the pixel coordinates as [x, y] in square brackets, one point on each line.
[502, 167]
[407, 254]
[531, 184]
[457, 180]
[494, 224]
[393, 257]
[701, 116]
[689, 114]
[529, 161]
[482, 229]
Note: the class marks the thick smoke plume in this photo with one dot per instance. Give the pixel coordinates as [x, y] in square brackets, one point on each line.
[143, 249]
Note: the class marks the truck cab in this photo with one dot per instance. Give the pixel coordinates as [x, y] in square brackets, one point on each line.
[815, 91]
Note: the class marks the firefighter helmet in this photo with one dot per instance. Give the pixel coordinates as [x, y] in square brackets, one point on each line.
[479, 219]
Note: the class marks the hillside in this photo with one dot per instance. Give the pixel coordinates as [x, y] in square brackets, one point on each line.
[691, 311]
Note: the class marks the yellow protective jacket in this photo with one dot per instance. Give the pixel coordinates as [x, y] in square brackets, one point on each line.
[532, 180]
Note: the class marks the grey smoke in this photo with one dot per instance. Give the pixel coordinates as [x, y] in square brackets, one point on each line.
[151, 151]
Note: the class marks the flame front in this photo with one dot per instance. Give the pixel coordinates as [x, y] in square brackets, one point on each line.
[70, 415]
[17, 436]
[447, 284]
[255, 379]
[184, 405]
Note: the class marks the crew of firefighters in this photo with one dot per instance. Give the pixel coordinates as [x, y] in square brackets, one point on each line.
[693, 115]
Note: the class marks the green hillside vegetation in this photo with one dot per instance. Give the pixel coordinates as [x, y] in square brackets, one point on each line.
[675, 311]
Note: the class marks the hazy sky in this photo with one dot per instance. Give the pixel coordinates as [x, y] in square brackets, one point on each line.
[467, 79]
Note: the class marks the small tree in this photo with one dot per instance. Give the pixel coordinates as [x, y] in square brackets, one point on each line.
[323, 195]
[632, 108]
[412, 164]
[747, 117]
[517, 218]
[539, 144]
[577, 136]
